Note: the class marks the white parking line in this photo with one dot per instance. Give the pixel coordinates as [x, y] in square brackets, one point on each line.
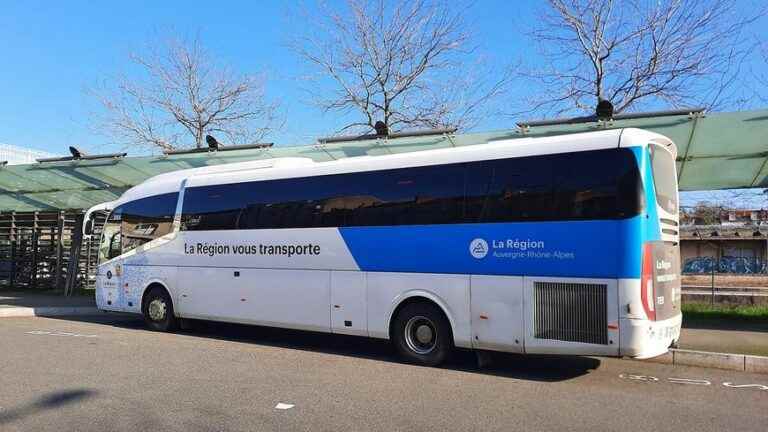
[283, 406]
[757, 386]
[699, 382]
[59, 333]
[689, 381]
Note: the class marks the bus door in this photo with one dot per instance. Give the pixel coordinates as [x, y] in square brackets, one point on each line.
[110, 269]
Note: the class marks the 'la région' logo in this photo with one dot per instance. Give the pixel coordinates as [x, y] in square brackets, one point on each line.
[478, 248]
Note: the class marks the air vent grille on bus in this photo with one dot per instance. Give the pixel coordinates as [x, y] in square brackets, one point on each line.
[669, 221]
[574, 312]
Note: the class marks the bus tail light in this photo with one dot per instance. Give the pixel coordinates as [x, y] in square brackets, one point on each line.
[647, 290]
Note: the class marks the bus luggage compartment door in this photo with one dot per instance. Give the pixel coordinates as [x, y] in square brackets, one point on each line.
[348, 303]
[497, 313]
[273, 297]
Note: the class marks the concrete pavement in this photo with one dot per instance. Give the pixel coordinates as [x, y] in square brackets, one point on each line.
[109, 373]
[26, 304]
[751, 342]
[707, 336]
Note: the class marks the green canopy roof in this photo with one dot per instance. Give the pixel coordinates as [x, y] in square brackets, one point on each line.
[716, 151]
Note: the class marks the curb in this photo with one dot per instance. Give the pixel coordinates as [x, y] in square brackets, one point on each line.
[18, 312]
[737, 362]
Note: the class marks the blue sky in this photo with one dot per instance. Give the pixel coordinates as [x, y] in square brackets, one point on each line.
[52, 51]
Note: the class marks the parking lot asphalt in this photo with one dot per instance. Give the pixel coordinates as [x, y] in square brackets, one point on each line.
[110, 374]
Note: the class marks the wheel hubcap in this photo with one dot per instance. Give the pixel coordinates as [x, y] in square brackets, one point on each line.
[424, 334]
[156, 310]
[421, 335]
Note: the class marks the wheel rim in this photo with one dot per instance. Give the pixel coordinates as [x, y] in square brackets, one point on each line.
[421, 335]
[157, 309]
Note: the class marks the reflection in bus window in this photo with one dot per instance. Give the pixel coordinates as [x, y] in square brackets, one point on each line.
[137, 222]
[110, 237]
[146, 219]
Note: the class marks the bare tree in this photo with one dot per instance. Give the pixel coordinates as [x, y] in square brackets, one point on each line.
[706, 213]
[761, 77]
[638, 53]
[179, 96]
[407, 63]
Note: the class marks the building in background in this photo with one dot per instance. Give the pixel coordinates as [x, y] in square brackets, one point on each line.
[716, 215]
[724, 249]
[16, 155]
[743, 217]
[736, 242]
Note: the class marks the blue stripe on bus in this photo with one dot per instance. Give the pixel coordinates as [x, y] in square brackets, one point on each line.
[558, 249]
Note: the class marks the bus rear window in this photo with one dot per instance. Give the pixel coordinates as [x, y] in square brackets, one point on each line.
[664, 177]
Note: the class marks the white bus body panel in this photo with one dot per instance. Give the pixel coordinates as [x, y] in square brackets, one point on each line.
[497, 313]
[641, 337]
[296, 299]
[121, 285]
[349, 303]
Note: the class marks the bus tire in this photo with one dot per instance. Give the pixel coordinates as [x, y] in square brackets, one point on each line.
[422, 334]
[158, 311]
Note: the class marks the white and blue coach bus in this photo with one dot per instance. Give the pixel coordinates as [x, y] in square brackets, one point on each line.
[561, 245]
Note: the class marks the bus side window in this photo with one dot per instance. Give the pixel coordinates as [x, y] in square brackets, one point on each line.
[665, 181]
[579, 185]
[410, 196]
[516, 189]
[146, 219]
[213, 207]
[585, 185]
[600, 184]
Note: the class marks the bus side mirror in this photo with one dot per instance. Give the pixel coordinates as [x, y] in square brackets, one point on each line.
[88, 227]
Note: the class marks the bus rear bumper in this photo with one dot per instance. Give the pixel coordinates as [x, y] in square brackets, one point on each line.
[644, 339]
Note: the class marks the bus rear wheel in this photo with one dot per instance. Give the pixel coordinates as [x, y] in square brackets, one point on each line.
[158, 311]
[422, 334]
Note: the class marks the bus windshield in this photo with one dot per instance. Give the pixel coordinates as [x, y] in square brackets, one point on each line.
[664, 177]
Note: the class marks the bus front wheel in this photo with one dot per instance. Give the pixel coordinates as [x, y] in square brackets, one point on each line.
[158, 311]
[422, 334]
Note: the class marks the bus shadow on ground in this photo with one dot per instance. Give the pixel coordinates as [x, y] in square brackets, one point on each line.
[528, 367]
[534, 368]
